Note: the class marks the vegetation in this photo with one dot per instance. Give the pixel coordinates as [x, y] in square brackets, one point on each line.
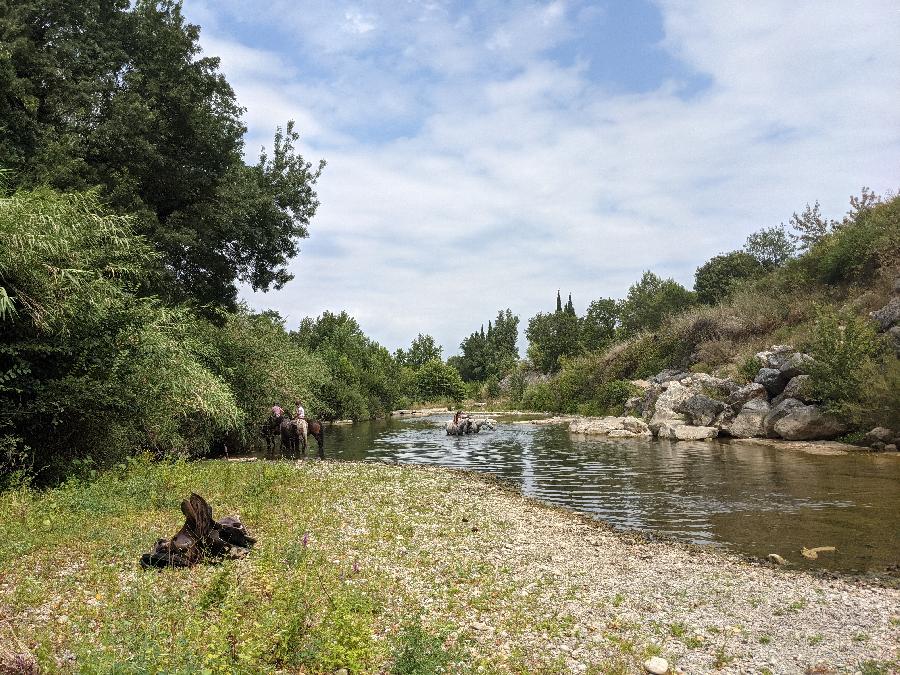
[812, 286]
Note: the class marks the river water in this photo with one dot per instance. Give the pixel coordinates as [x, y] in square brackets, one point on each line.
[740, 496]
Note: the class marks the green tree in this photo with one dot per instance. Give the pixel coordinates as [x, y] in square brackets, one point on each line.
[771, 246]
[651, 300]
[116, 95]
[598, 326]
[422, 350]
[809, 227]
[552, 336]
[436, 380]
[715, 280]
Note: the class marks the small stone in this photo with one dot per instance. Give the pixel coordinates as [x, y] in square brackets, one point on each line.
[656, 665]
[777, 559]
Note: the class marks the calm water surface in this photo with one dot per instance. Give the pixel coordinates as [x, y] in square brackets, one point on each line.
[743, 497]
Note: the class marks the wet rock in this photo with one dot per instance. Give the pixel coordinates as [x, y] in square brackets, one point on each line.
[882, 434]
[656, 665]
[750, 422]
[746, 393]
[621, 433]
[684, 432]
[797, 364]
[777, 559]
[878, 446]
[596, 425]
[700, 410]
[772, 379]
[890, 447]
[636, 426]
[779, 411]
[887, 316]
[808, 423]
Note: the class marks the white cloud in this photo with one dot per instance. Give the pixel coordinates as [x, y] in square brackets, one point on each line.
[515, 175]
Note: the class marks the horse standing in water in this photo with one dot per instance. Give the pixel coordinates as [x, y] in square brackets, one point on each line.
[318, 432]
[293, 435]
[270, 429]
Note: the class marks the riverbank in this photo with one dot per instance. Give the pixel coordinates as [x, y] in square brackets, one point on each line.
[602, 426]
[400, 565]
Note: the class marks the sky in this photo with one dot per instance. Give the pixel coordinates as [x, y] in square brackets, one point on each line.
[482, 155]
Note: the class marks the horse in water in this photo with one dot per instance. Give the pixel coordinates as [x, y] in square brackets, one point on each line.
[270, 429]
[318, 432]
[293, 435]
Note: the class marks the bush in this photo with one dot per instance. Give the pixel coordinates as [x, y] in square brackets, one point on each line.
[716, 279]
[437, 380]
[844, 348]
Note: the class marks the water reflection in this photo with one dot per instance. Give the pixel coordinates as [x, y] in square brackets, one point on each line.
[745, 497]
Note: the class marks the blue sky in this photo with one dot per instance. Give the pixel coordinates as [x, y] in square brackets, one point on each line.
[482, 155]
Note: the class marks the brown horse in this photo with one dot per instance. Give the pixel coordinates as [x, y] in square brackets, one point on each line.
[318, 432]
[269, 430]
[293, 435]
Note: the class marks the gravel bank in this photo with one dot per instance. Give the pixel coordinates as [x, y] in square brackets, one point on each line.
[541, 587]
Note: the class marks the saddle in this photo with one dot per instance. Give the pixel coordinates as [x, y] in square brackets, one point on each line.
[200, 538]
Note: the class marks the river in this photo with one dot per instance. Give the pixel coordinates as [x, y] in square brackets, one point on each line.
[747, 498]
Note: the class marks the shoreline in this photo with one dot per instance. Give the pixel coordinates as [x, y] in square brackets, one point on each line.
[511, 582]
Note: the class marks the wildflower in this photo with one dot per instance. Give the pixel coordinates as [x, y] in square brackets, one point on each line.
[305, 539]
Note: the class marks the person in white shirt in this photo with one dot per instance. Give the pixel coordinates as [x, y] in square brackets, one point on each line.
[301, 413]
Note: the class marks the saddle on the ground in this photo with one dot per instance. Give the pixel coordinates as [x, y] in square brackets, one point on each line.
[200, 538]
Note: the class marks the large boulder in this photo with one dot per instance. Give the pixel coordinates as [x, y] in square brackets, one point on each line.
[665, 411]
[700, 409]
[800, 388]
[889, 315]
[746, 393]
[797, 364]
[712, 386]
[750, 422]
[882, 434]
[636, 426]
[778, 412]
[772, 379]
[809, 423]
[683, 432]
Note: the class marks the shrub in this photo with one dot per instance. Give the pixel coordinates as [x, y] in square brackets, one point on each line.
[437, 380]
[422, 652]
[716, 279]
[843, 347]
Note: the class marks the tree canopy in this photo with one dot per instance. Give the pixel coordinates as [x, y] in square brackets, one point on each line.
[119, 96]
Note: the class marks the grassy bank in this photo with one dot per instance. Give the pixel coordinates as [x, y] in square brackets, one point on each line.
[403, 569]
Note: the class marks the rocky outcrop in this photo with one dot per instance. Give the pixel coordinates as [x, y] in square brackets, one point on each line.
[665, 410]
[778, 412]
[686, 432]
[796, 364]
[889, 315]
[772, 379]
[701, 410]
[614, 427]
[808, 422]
[799, 388]
[750, 421]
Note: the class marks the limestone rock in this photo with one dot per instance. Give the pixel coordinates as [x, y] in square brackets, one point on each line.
[684, 432]
[746, 393]
[799, 388]
[797, 364]
[634, 406]
[751, 420]
[669, 376]
[715, 387]
[656, 665]
[665, 409]
[775, 356]
[772, 379]
[890, 447]
[882, 434]
[779, 411]
[596, 425]
[636, 426]
[777, 559]
[621, 433]
[809, 423]
[700, 410]
[889, 315]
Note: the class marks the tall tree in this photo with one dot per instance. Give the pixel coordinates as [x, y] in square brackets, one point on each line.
[651, 300]
[422, 350]
[110, 94]
[598, 326]
[716, 279]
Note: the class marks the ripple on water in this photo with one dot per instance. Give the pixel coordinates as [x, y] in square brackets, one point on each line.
[745, 497]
